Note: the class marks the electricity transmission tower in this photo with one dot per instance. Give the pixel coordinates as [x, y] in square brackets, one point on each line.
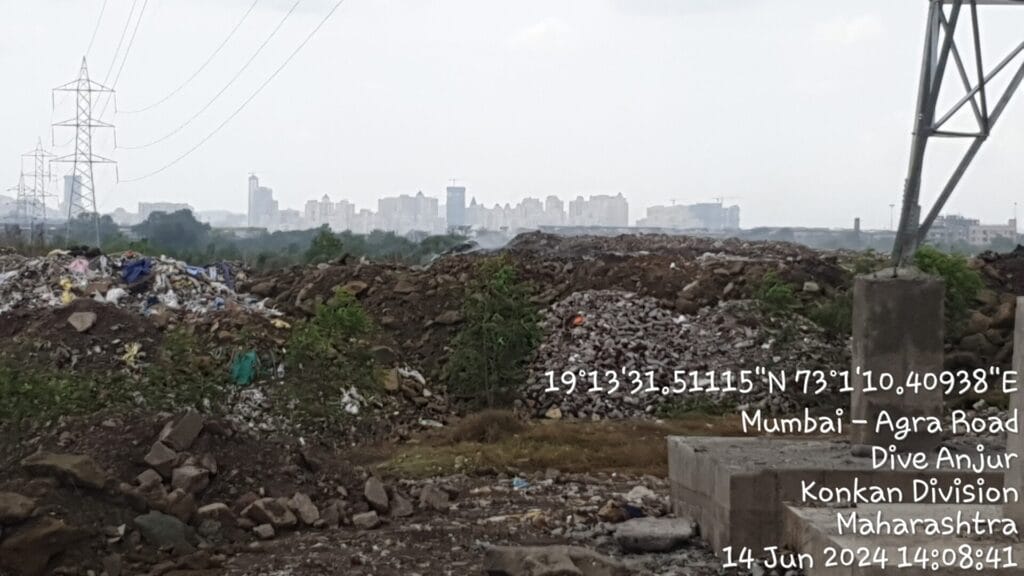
[942, 48]
[20, 201]
[36, 216]
[81, 198]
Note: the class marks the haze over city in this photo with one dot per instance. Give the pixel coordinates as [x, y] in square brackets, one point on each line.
[802, 105]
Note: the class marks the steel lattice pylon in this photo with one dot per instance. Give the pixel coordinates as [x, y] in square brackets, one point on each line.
[941, 47]
[82, 197]
[36, 206]
[21, 199]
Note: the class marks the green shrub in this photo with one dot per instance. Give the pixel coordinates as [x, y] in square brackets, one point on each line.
[490, 354]
[775, 296]
[327, 356]
[835, 316]
[962, 283]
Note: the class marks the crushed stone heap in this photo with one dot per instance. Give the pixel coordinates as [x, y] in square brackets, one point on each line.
[608, 330]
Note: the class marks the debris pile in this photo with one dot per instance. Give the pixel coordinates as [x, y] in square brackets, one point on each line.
[598, 339]
[148, 285]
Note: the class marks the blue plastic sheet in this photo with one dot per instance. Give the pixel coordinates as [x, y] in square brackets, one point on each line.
[135, 270]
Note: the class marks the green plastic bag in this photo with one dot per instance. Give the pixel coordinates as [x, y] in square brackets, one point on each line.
[243, 369]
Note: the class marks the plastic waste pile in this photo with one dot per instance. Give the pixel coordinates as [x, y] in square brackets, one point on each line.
[127, 280]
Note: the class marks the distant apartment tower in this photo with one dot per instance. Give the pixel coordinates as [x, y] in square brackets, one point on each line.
[72, 185]
[706, 216]
[554, 211]
[262, 206]
[599, 210]
[403, 214]
[455, 206]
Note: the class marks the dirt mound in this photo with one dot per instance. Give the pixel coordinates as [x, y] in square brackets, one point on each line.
[418, 307]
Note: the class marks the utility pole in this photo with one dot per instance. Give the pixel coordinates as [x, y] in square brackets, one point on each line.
[40, 175]
[82, 196]
[891, 207]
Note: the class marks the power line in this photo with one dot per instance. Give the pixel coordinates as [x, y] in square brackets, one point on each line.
[127, 51]
[120, 42]
[247, 101]
[201, 67]
[222, 90]
[97, 27]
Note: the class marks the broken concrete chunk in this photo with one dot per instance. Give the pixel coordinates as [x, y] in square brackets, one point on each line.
[366, 520]
[355, 287]
[304, 508]
[15, 508]
[218, 511]
[182, 434]
[165, 531]
[401, 506]
[191, 479]
[271, 511]
[28, 549]
[376, 495]
[180, 504]
[654, 534]
[82, 321]
[264, 531]
[433, 497]
[161, 458]
[73, 469]
[148, 479]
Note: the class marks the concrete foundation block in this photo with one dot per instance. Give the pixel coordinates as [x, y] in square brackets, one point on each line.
[898, 327]
[737, 488]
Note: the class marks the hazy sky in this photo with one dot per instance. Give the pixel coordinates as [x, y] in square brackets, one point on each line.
[800, 109]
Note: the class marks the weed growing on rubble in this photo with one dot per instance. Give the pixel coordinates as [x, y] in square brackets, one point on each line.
[490, 354]
[835, 316]
[962, 283]
[774, 295]
[327, 357]
[43, 394]
[178, 377]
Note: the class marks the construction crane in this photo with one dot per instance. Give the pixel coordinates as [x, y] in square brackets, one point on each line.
[722, 199]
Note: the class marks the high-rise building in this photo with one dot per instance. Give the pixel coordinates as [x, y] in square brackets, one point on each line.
[262, 206]
[455, 207]
[600, 210]
[72, 185]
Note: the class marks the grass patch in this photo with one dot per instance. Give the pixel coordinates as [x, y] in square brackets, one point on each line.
[487, 427]
[835, 316]
[636, 447]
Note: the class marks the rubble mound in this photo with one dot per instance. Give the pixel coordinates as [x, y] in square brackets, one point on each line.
[615, 336]
[417, 307]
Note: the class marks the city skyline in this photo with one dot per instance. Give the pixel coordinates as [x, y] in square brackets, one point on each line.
[561, 98]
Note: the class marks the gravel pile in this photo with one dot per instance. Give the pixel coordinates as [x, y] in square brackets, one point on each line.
[620, 336]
